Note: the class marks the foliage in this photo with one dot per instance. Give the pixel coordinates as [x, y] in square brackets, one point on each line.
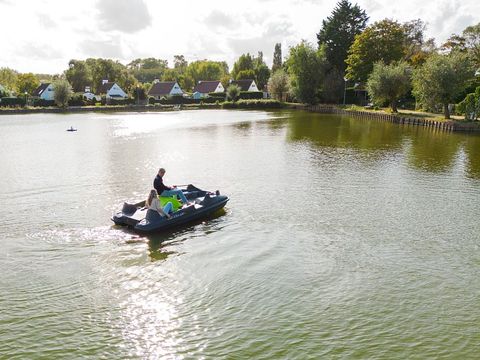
[253, 104]
[79, 75]
[470, 106]
[27, 83]
[279, 85]
[388, 83]
[12, 101]
[8, 78]
[333, 86]
[382, 41]
[416, 48]
[306, 67]
[76, 100]
[148, 69]
[43, 103]
[468, 42]
[248, 95]
[63, 92]
[339, 30]
[441, 79]
[107, 69]
[233, 92]
[251, 67]
[205, 70]
[245, 75]
[277, 58]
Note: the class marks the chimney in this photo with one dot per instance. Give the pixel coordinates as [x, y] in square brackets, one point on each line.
[104, 81]
[156, 81]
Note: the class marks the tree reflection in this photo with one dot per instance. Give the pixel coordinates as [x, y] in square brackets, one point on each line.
[472, 151]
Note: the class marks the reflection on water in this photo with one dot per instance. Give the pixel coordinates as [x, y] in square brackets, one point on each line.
[161, 245]
[428, 149]
[344, 238]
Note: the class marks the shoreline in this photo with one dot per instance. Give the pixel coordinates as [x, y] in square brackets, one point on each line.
[400, 119]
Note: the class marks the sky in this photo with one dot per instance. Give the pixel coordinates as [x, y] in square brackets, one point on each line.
[41, 36]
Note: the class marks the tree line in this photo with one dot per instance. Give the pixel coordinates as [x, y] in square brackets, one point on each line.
[392, 61]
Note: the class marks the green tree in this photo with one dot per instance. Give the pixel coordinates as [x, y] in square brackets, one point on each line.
[468, 42]
[63, 92]
[470, 106]
[179, 63]
[388, 83]
[262, 72]
[277, 57]
[279, 85]
[442, 79]
[233, 92]
[416, 48]
[79, 75]
[27, 82]
[306, 67]
[148, 69]
[8, 78]
[339, 30]
[245, 75]
[244, 62]
[382, 41]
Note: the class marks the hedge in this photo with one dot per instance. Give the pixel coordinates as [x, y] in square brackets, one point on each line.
[247, 95]
[12, 101]
[43, 103]
[253, 104]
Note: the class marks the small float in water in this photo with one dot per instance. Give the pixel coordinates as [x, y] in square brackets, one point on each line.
[143, 220]
[72, 129]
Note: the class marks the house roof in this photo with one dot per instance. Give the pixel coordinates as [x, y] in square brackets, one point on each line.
[206, 86]
[39, 90]
[161, 88]
[244, 84]
[104, 88]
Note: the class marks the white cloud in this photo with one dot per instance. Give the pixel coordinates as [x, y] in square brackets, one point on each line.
[123, 15]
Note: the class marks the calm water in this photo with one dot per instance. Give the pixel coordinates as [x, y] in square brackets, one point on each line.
[343, 238]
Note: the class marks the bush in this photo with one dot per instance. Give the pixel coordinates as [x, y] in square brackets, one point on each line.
[247, 95]
[12, 101]
[127, 101]
[77, 100]
[217, 95]
[151, 100]
[253, 104]
[43, 103]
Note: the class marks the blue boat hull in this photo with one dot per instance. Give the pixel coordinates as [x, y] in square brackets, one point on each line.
[146, 221]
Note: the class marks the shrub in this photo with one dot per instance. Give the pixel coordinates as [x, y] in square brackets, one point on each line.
[253, 104]
[43, 103]
[12, 101]
[151, 100]
[247, 95]
[233, 92]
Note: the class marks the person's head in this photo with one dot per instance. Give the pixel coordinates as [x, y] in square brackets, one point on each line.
[153, 194]
[161, 171]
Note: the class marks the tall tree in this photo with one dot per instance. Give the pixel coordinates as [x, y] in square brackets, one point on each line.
[8, 78]
[339, 30]
[442, 79]
[306, 67]
[388, 83]
[262, 72]
[63, 92]
[416, 48]
[244, 62]
[277, 57]
[27, 83]
[79, 75]
[179, 63]
[382, 41]
[279, 85]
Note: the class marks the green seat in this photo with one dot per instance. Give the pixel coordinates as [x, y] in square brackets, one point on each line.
[173, 199]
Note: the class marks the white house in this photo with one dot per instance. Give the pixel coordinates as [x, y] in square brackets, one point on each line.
[246, 85]
[206, 87]
[165, 88]
[45, 91]
[112, 90]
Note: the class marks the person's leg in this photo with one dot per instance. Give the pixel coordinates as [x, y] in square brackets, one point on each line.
[168, 208]
[177, 192]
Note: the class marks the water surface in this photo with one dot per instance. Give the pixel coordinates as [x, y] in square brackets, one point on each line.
[343, 238]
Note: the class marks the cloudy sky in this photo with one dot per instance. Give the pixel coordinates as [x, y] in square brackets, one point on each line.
[41, 36]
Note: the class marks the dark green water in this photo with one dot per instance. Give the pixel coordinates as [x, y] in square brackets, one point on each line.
[344, 238]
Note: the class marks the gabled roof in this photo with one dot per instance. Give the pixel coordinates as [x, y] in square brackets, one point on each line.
[39, 90]
[161, 88]
[206, 86]
[104, 88]
[244, 84]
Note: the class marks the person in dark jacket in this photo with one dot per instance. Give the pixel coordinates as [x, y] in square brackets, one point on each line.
[164, 190]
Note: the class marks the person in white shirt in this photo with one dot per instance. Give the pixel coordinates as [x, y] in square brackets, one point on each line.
[153, 203]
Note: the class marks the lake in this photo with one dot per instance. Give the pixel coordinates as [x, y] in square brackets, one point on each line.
[343, 238]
